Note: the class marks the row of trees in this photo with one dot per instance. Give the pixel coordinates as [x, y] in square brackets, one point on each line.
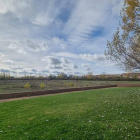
[4, 76]
[63, 76]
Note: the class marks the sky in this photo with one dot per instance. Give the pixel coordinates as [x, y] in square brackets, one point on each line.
[43, 37]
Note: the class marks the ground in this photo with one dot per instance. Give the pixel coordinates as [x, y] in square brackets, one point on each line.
[105, 114]
[10, 86]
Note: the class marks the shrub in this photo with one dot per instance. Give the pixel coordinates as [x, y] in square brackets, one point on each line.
[71, 84]
[42, 85]
[27, 85]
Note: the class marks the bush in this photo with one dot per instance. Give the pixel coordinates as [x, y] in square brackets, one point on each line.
[27, 85]
[71, 84]
[42, 85]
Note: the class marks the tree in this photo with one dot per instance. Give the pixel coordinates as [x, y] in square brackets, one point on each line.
[124, 49]
[89, 76]
[135, 76]
[62, 75]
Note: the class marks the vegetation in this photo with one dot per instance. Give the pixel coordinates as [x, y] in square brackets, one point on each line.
[124, 49]
[42, 85]
[4, 76]
[98, 114]
[71, 84]
[12, 86]
[27, 85]
[89, 77]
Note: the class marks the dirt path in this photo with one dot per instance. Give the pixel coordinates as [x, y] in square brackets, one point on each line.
[30, 97]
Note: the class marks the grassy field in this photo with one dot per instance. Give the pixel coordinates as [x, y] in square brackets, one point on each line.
[106, 114]
[10, 86]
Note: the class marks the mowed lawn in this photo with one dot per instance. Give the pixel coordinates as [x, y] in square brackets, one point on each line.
[106, 114]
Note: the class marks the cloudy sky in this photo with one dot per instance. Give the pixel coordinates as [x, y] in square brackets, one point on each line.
[42, 37]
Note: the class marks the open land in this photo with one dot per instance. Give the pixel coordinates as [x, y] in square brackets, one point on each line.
[97, 114]
[12, 86]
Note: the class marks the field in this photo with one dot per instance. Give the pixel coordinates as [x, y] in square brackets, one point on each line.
[105, 114]
[10, 86]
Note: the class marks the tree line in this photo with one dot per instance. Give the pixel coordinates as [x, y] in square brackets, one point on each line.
[89, 76]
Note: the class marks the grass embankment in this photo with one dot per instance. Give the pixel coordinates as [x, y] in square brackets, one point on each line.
[108, 114]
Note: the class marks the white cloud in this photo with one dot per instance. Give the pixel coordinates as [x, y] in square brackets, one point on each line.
[49, 15]
[94, 58]
[20, 46]
[2, 55]
[13, 46]
[67, 55]
[87, 67]
[87, 17]
[4, 70]
[13, 6]
[117, 6]
[65, 61]
[106, 63]
[35, 46]
[41, 13]
[56, 61]
[75, 66]
[88, 57]
[56, 67]
[43, 19]
[17, 67]
[21, 51]
[17, 46]
[51, 60]
[60, 42]
[63, 34]
[6, 62]
[59, 64]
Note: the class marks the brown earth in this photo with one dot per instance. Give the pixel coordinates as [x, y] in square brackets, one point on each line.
[58, 91]
[25, 95]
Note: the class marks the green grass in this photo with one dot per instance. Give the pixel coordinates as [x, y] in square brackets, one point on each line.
[106, 114]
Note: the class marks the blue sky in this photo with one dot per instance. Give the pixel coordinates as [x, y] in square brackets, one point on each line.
[52, 36]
